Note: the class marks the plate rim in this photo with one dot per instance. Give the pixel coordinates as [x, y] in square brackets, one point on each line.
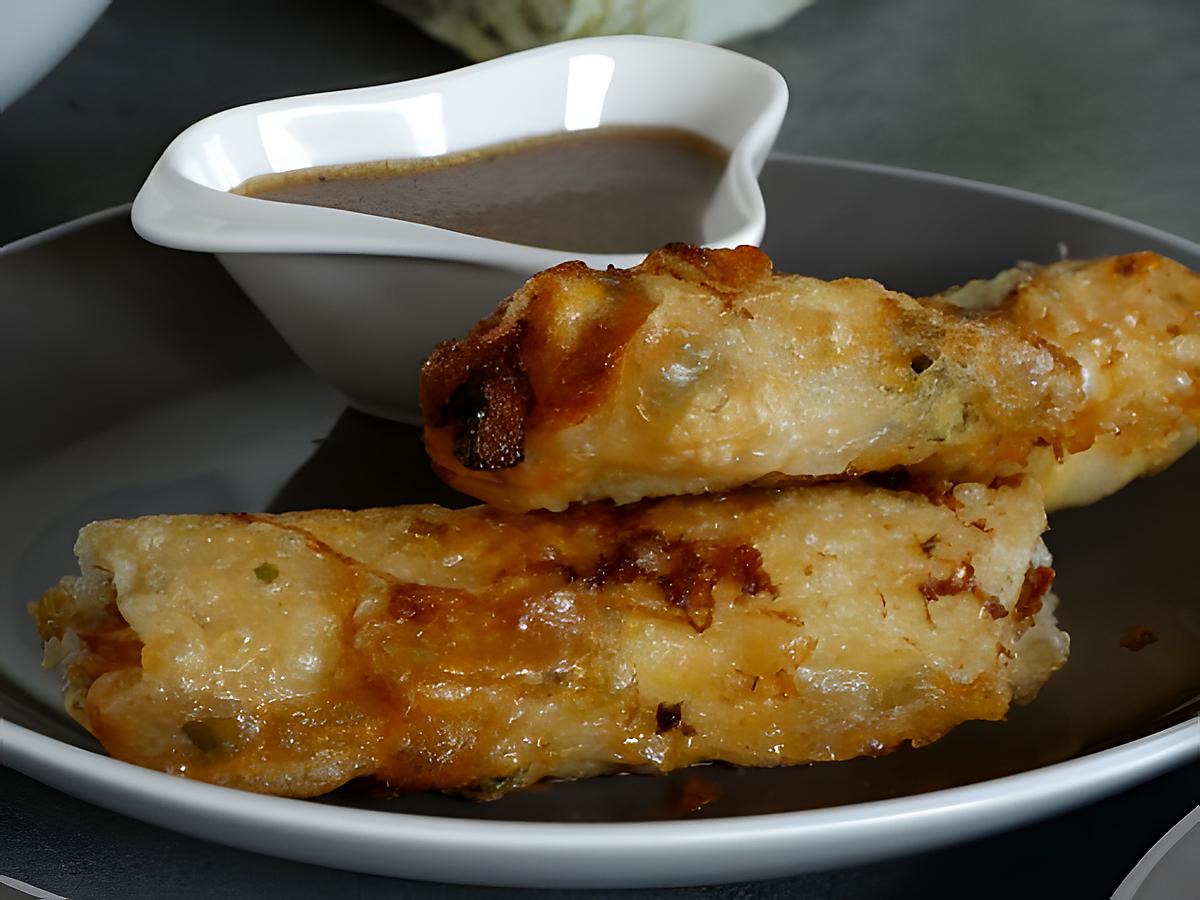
[998, 190]
[1163, 749]
[590, 854]
[62, 229]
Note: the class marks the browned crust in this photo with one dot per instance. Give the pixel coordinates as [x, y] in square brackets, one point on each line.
[479, 389]
[1134, 304]
[516, 412]
[621, 550]
[1038, 580]
[512, 373]
[726, 272]
[686, 571]
[554, 596]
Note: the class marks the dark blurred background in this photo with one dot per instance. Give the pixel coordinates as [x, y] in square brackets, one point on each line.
[1095, 101]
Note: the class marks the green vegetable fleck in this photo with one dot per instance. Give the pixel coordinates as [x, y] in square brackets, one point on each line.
[266, 573]
[493, 788]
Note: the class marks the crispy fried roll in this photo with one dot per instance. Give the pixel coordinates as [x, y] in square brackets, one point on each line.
[701, 370]
[479, 651]
[1133, 324]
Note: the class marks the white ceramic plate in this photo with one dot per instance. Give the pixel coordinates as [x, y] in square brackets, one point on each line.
[169, 394]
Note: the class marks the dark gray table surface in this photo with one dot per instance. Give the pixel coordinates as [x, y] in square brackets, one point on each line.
[1096, 101]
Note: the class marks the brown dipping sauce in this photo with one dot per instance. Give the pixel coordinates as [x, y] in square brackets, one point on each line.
[604, 190]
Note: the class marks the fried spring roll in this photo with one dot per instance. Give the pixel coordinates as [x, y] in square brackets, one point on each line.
[479, 651]
[700, 370]
[1133, 324]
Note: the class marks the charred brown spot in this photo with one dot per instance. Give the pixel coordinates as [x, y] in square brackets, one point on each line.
[942, 496]
[689, 586]
[981, 525]
[453, 361]
[1037, 582]
[724, 272]
[640, 555]
[743, 562]
[993, 607]
[667, 716]
[960, 581]
[419, 603]
[1138, 638]
[478, 389]
[685, 578]
[687, 572]
[930, 544]
[1132, 264]
[487, 413]
[937, 491]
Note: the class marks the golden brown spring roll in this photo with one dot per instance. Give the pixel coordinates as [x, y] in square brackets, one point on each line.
[480, 651]
[1133, 324]
[700, 370]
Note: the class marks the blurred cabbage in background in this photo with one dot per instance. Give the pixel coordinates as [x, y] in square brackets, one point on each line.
[483, 29]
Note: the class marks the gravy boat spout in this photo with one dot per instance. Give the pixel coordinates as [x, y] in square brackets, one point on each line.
[362, 298]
